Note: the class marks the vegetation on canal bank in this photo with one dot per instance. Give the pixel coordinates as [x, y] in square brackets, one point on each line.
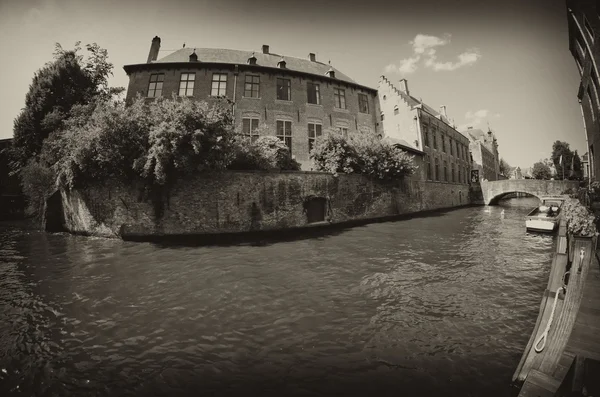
[581, 221]
[363, 154]
[75, 130]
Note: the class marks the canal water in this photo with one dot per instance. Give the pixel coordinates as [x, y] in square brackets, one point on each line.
[432, 306]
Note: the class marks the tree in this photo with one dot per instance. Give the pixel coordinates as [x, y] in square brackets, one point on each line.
[541, 171]
[505, 168]
[67, 81]
[561, 150]
[575, 171]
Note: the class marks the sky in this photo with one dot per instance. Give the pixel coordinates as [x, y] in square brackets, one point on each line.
[506, 63]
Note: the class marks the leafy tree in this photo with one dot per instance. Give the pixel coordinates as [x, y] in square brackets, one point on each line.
[541, 171]
[266, 153]
[575, 168]
[67, 81]
[333, 153]
[505, 168]
[559, 149]
[364, 154]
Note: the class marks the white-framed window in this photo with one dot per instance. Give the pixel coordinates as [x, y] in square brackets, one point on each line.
[252, 86]
[339, 98]
[315, 130]
[313, 92]
[284, 132]
[186, 84]
[363, 103]
[284, 89]
[156, 84]
[250, 127]
[219, 84]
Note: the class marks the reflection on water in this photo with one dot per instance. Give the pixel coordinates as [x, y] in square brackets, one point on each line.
[441, 305]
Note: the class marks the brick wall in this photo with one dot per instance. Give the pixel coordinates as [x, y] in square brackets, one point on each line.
[267, 108]
[247, 201]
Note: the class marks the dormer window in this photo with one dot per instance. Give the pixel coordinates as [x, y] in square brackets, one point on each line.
[330, 73]
[281, 63]
[194, 56]
[252, 60]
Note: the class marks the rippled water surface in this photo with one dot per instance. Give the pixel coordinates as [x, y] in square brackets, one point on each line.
[434, 306]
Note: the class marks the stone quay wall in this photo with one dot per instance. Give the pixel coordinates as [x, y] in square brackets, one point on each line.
[238, 202]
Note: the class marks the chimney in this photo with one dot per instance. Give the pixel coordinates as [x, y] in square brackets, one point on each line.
[312, 57]
[443, 111]
[154, 48]
[404, 86]
[265, 49]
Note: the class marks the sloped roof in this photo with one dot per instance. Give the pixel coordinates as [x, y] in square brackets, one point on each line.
[220, 55]
[402, 143]
[585, 158]
[412, 102]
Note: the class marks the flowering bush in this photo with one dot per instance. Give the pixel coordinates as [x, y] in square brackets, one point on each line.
[156, 141]
[266, 153]
[333, 153]
[185, 137]
[381, 160]
[363, 154]
[580, 220]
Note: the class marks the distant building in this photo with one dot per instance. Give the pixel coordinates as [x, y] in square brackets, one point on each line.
[584, 44]
[484, 149]
[294, 99]
[516, 173]
[414, 124]
[585, 165]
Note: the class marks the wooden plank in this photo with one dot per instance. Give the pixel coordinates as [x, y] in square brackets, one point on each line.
[527, 357]
[539, 384]
[564, 364]
[566, 320]
[561, 246]
[577, 384]
[532, 390]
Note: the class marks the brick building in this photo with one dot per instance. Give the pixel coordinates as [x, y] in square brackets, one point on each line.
[292, 98]
[583, 18]
[421, 129]
[484, 150]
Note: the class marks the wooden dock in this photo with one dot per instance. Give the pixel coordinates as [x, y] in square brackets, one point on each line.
[573, 335]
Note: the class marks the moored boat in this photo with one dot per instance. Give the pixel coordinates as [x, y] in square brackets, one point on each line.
[544, 218]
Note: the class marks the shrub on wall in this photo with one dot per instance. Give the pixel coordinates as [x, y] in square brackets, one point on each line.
[580, 220]
[104, 142]
[363, 154]
[185, 137]
[265, 153]
[333, 153]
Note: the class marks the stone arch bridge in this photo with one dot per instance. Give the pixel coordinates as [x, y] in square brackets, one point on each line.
[493, 191]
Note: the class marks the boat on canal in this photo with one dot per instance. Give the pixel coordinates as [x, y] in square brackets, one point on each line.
[545, 217]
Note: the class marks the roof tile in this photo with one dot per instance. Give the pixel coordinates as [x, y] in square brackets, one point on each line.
[218, 55]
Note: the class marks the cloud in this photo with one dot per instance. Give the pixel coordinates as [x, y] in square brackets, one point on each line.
[422, 42]
[407, 66]
[464, 59]
[425, 47]
[475, 119]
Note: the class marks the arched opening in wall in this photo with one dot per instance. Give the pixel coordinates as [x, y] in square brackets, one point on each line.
[512, 196]
[55, 218]
[316, 209]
